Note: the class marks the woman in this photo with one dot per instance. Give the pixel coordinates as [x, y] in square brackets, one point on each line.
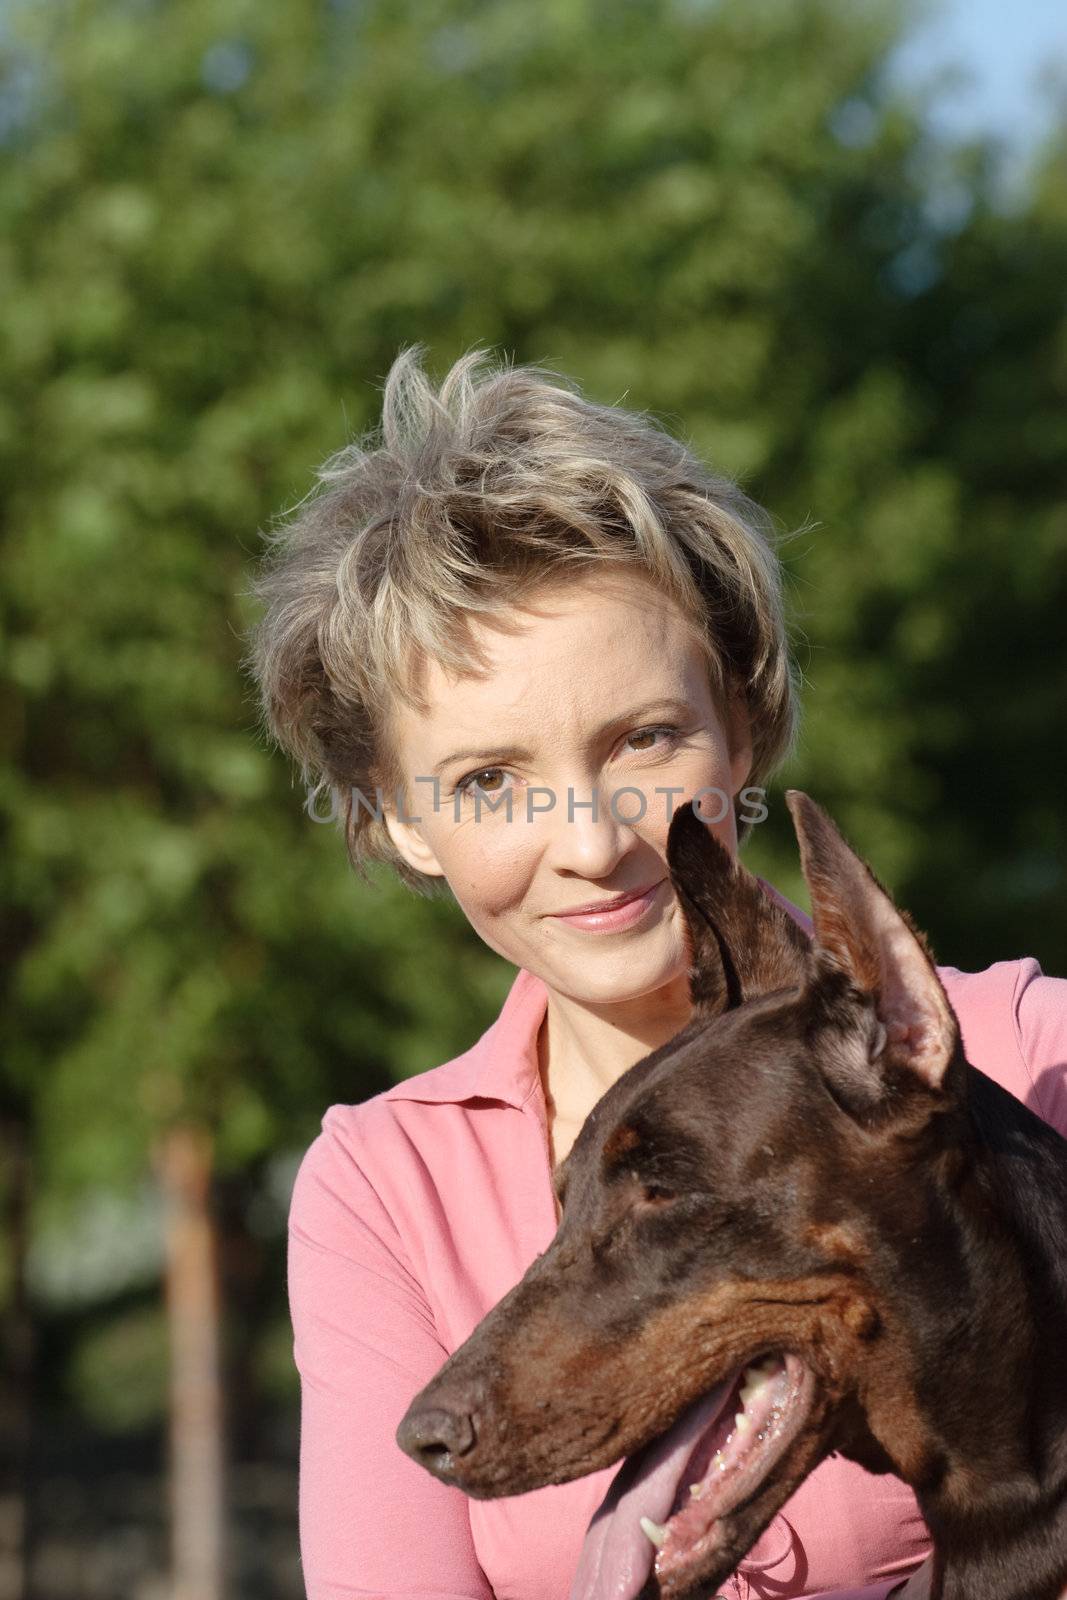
[506, 636]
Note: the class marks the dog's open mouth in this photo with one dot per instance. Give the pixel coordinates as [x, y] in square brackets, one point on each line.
[666, 1506]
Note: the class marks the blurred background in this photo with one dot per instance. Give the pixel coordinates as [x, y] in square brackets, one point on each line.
[824, 240]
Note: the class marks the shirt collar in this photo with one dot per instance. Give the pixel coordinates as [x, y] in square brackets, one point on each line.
[503, 1065]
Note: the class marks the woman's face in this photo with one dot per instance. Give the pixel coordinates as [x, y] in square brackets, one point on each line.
[601, 694]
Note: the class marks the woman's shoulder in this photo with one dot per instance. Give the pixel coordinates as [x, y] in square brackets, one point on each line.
[1013, 1023]
[362, 1146]
[382, 1185]
[449, 1167]
[449, 1194]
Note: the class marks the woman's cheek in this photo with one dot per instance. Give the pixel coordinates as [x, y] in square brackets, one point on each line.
[487, 867]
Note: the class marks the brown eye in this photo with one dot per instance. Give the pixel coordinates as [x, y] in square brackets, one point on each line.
[654, 1194]
[472, 781]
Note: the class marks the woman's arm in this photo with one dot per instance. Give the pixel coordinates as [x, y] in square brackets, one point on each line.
[1040, 1015]
[916, 1587]
[372, 1522]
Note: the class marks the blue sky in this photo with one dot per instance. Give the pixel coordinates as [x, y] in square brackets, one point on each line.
[1004, 48]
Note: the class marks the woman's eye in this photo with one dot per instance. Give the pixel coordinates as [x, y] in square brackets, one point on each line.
[669, 735]
[470, 782]
[666, 733]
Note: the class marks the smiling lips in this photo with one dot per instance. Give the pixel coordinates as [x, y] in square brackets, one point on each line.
[601, 907]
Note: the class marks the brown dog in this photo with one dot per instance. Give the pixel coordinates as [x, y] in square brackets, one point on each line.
[805, 1224]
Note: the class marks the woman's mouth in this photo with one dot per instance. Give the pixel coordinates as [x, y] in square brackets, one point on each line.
[617, 915]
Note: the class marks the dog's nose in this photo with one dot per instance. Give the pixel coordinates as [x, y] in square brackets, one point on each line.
[433, 1432]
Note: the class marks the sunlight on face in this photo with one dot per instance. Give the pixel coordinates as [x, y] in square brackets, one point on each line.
[603, 693]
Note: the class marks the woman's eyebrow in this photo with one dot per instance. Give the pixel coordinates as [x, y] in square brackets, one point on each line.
[516, 753]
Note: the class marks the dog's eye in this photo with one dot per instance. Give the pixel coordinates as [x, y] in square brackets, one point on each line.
[650, 1198]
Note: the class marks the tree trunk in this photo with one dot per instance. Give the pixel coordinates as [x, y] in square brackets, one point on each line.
[197, 1454]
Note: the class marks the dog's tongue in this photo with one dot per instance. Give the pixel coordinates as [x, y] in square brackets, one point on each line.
[617, 1555]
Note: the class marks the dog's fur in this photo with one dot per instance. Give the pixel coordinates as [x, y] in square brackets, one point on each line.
[809, 1166]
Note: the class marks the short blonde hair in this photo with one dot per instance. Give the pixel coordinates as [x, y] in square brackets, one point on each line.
[467, 499]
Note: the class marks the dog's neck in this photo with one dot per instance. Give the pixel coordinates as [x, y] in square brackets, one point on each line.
[1000, 1457]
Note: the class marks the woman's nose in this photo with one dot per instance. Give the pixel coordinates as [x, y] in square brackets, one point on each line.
[592, 831]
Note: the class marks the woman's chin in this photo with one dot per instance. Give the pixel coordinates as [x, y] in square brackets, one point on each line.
[652, 968]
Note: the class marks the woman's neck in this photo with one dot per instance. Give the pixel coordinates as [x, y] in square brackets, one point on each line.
[583, 1049]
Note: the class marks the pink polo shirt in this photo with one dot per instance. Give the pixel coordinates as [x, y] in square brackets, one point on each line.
[414, 1212]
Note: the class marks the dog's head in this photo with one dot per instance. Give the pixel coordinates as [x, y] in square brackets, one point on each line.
[744, 1214]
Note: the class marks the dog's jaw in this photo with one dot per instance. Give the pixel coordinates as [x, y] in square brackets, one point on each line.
[682, 1511]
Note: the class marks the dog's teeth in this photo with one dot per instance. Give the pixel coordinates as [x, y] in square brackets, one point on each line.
[752, 1391]
[696, 1490]
[756, 1380]
[717, 1461]
[654, 1531]
[742, 1423]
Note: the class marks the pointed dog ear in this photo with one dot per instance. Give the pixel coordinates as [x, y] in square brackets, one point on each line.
[866, 936]
[741, 944]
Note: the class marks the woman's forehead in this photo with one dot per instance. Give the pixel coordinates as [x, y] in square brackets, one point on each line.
[633, 674]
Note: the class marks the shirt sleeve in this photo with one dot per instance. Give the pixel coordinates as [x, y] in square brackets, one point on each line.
[1040, 1015]
[372, 1522]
